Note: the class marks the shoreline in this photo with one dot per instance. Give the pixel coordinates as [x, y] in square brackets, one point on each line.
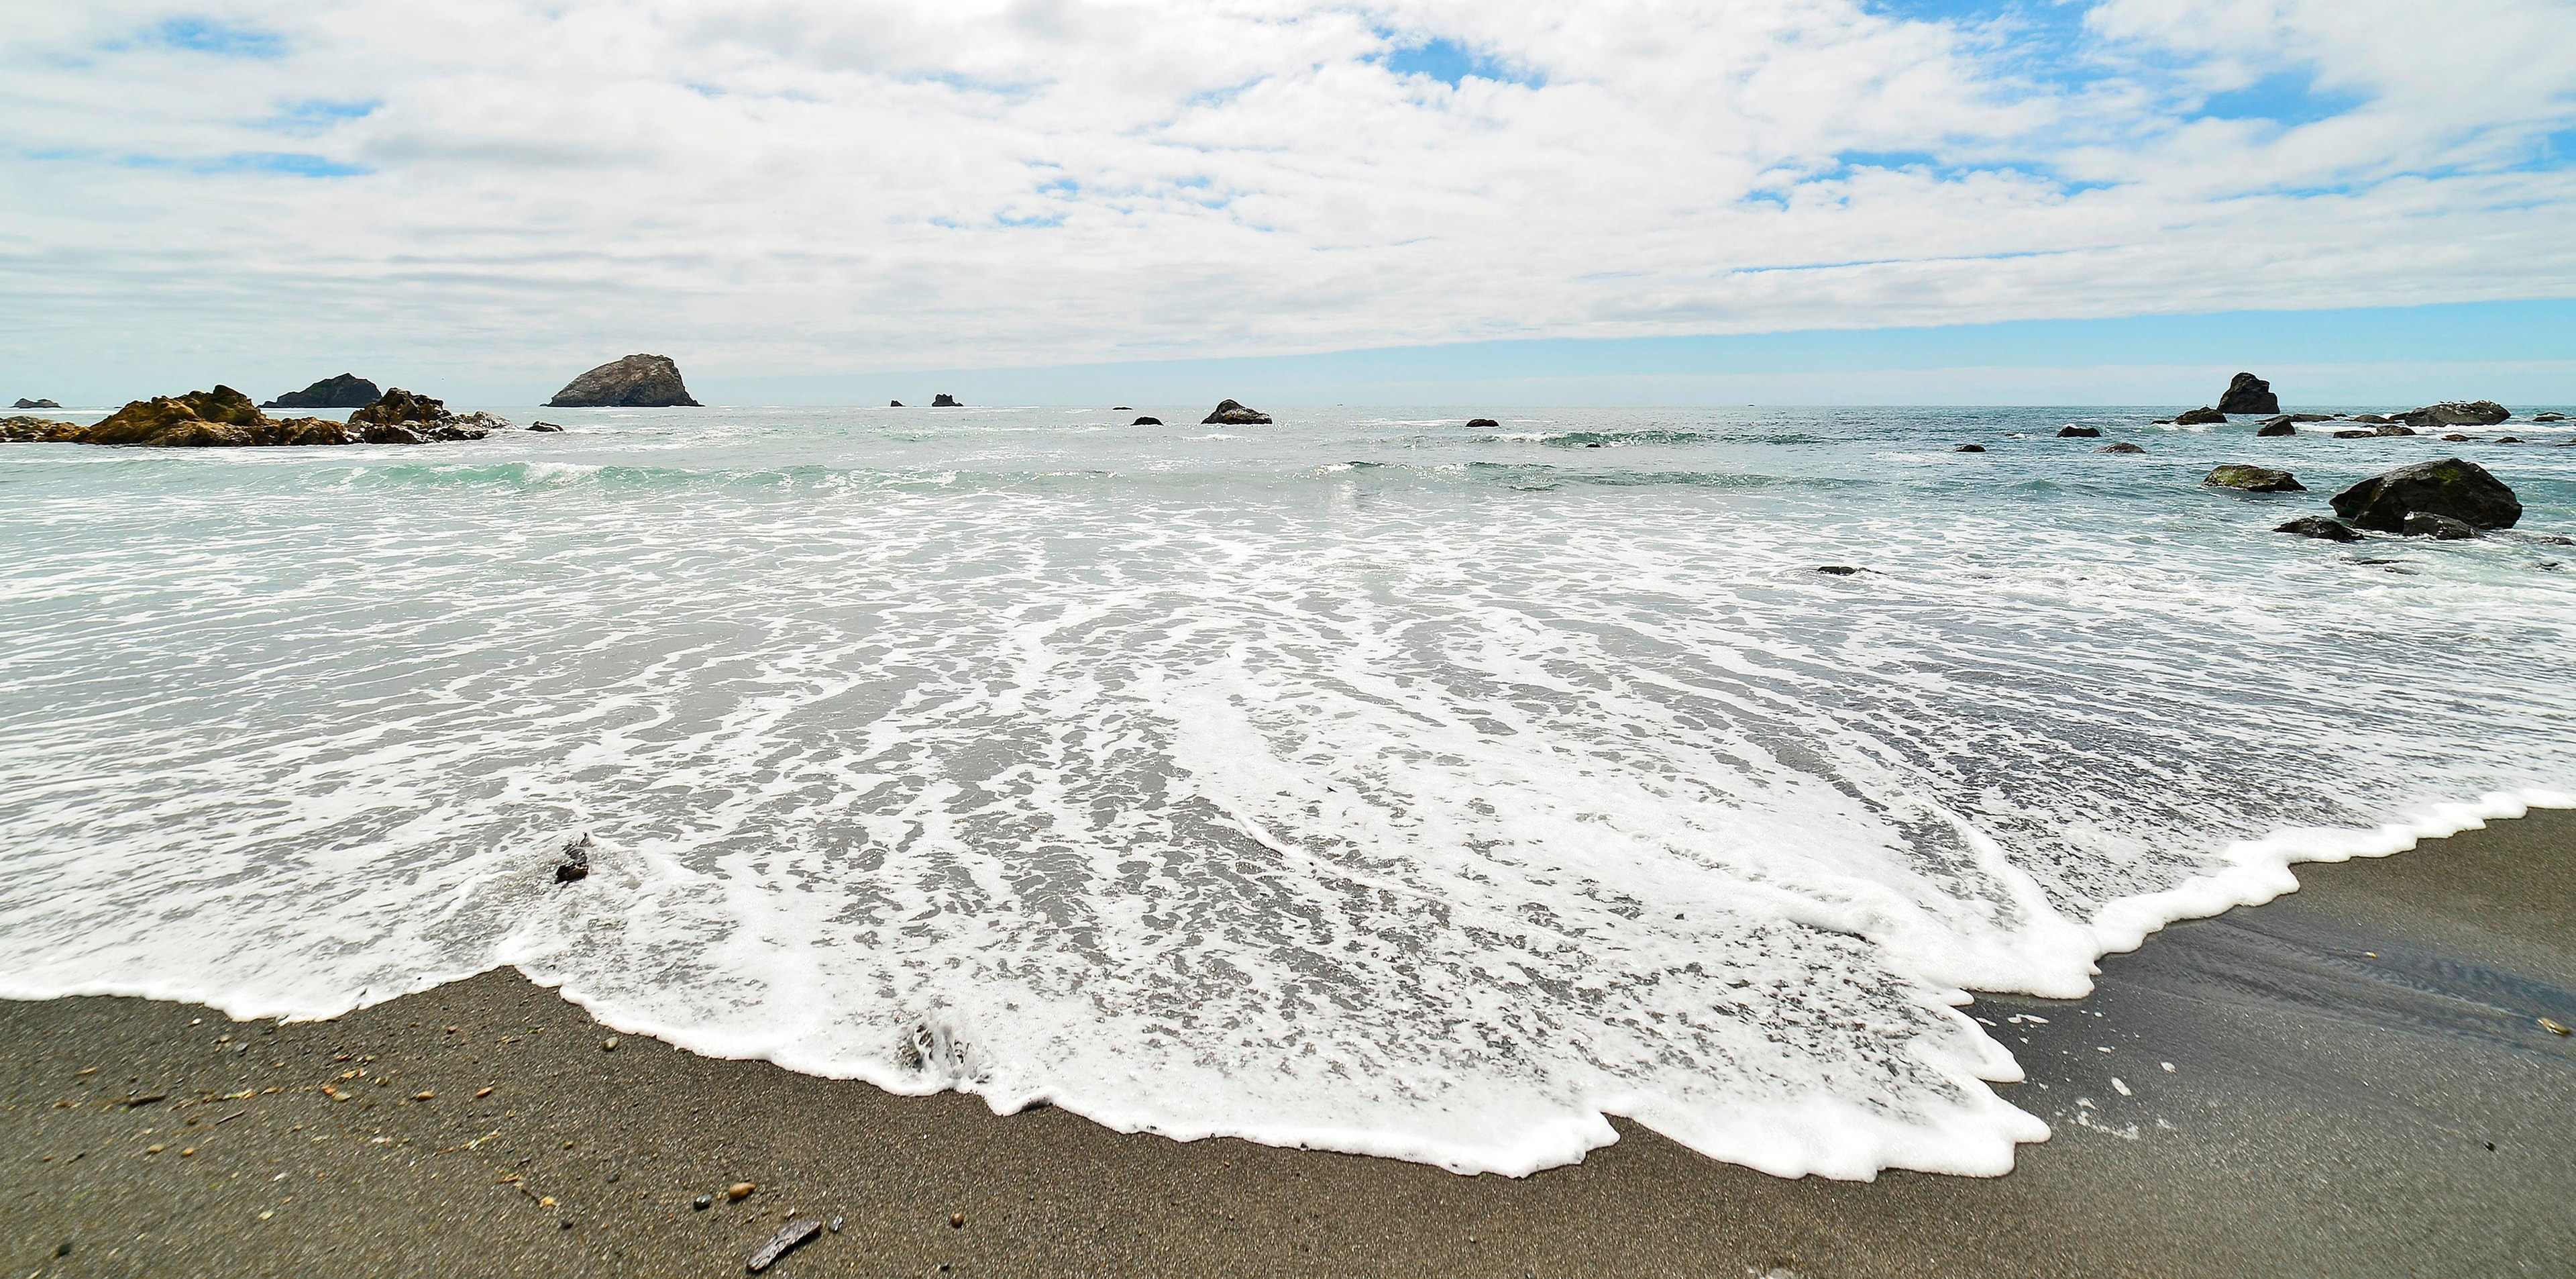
[2342, 1056]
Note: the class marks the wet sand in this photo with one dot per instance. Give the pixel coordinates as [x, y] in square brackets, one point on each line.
[2360, 1085]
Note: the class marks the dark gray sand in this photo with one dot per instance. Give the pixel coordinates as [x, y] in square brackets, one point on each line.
[2360, 1086]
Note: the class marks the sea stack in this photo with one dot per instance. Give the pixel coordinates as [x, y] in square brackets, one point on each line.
[1233, 413]
[944, 400]
[347, 391]
[25, 403]
[2247, 393]
[636, 382]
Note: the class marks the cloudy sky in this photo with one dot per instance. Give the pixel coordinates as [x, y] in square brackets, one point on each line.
[506, 191]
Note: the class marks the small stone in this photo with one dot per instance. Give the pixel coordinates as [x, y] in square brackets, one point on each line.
[154, 1150]
[957, 1221]
[703, 1202]
[739, 1191]
[424, 1096]
[482, 1092]
[608, 1045]
[837, 1223]
[186, 1151]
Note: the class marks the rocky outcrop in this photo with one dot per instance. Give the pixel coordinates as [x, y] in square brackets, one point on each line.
[636, 382]
[2282, 425]
[547, 427]
[2318, 526]
[25, 403]
[1970, 448]
[944, 400]
[2372, 419]
[2451, 487]
[2536, 417]
[2456, 413]
[400, 417]
[347, 391]
[1147, 421]
[2439, 527]
[2253, 479]
[2383, 430]
[894, 404]
[2247, 393]
[2122, 447]
[2079, 432]
[2203, 416]
[1482, 424]
[220, 418]
[37, 430]
[1231, 413]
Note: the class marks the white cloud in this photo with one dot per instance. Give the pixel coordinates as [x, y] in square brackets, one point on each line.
[806, 185]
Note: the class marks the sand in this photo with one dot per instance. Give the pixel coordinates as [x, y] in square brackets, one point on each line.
[2359, 1085]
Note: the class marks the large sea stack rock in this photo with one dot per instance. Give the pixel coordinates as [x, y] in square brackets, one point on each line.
[2253, 479]
[25, 403]
[2459, 489]
[1233, 413]
[2456, 413]
[2202, 416]
[347, 391]
[944, 400]
[636, 382]
[2247, 393]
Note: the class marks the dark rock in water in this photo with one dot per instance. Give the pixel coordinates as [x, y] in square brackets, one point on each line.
[1970, 448]
[545, 426]
[788, 1236]
[2281, 425]
[1483, 422]
[894, 404]
[347, 391]
[2319, 526]
[2448, 487]
[636, 382]
[1147, 421]
[2312, 417]
[2455, 439]
[1838, 570]
[2253, 479]
[25, 403]
[2203, 416]
[2247, 393]
[2441, 527]
[2122, 447]
[576, 862]
[2536, 417]
[2079, 432]
[2372, 419]
[944, 400]
[1231, 413]
[37, 430]
[2508, 439]
[220, 418]
[1122, 408]
[2457, 413]
[2354, 435]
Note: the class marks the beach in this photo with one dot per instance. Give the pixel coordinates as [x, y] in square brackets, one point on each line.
[2359, 1084]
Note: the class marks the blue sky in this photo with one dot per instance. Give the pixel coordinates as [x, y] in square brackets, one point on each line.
[1692, 203]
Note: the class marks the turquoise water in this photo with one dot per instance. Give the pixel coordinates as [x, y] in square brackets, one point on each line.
[1364, 781]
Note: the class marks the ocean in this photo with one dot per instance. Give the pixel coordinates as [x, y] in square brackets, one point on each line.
[1369, 782]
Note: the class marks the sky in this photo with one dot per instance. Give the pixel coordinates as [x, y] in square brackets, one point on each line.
[1627, 201]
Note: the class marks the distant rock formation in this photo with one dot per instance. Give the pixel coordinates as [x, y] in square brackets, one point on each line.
[2079, 432]
[2536, 417]
[894, 404]
[2253, 479]
[400, 417]
[944, 400]
[2451, 487]
[24, 403]
[1482, 423]
[636, 382]
[2247, 393]
[2456, 413]
[347, 391]
[1147, 421]
[1970, 448]
[1233, 413]
[2318, 526]
[2202, 416]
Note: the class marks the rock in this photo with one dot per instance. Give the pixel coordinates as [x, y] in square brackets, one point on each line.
[2312, 417]
[2079, 432]
[1484, 423]
[2319, 526]
[1838, 570]
[703, 1202]
[1147, 421]
[347, 391]
[2455, 439]
[788, 1236]
[545, 426]
[2247, 393]
[2281, 425]
[2441, 527]
[2448, 487]
[944, 400]
[894, 404]
[25, 403]
[2456, 413]
[1231, 413]
[2508, 439]
[2253, 479]
[2203, 416]
[2122, 447]
[37, 430]
[198, 419]
[739, 1191]
[2536, 417]
[957, 1221]
[2382, 431]
[1970, 448]
[400, 417]
[576, 863]
[636, 382]
[2371, 419]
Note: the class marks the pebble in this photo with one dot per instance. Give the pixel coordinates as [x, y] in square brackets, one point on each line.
[702, 1202]
[154, 1150]
[957, 1220]
[424, 1096]
[482, 1092]
[739, 1191]
[608, 1045]
[837, 1223]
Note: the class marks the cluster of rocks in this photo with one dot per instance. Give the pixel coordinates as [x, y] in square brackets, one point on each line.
[226, 418]
[2449, 499]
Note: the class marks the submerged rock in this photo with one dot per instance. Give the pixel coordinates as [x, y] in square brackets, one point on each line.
[25, 403]
[2203, 416]
[2318, 526]
[1970, 448]
[2079, 432]
[2508, 439]
[2122, 447]
[636, 382]
[2536, 417]
[2451, 487]
[2372, 419]
[944, 400]
[1233, 413]
[545, 426]
[576, 862]
[2247, 393]
[2456, 413]
[347, 391]
[2440, 527]
[2253, 479]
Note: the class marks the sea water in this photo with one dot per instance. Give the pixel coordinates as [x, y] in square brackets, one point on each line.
[1369, 781]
